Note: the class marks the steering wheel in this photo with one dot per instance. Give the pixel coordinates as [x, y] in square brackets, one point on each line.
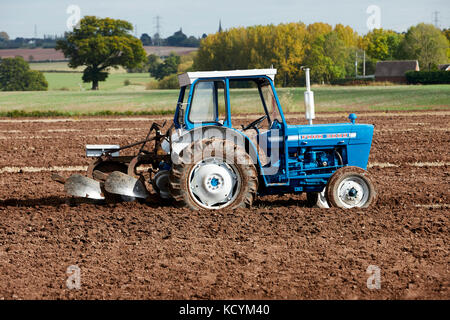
[254, 124]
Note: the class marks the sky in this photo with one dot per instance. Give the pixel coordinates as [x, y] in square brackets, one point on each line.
[19, 17]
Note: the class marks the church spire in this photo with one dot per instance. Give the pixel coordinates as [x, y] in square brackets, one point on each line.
[220, 25]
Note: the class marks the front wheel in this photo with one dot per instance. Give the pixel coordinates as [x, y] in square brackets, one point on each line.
[213, 174]
[350, 187]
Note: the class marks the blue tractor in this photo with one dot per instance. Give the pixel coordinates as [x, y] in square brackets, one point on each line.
[209, 160]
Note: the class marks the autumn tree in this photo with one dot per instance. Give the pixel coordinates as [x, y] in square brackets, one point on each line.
[285, 46]
[382, 44]
[446, 33]
[327, 58]
[425, 43]
[350, 37]
[101, 44]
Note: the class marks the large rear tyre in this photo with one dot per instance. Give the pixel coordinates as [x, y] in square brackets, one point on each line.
[213, 174]
[350, 187]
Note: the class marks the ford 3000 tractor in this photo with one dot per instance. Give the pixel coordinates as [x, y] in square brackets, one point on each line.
[206, 161]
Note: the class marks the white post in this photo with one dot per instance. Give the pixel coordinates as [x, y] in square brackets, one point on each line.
[308, 82]
[309, 100]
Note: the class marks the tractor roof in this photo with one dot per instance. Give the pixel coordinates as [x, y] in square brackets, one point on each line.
[189, 77]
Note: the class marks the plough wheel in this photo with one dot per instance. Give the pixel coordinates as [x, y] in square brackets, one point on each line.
[106, 167]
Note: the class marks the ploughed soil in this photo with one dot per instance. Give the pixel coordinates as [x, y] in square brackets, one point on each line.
[278, 249]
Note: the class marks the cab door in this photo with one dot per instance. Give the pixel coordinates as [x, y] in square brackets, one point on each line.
[274, 139]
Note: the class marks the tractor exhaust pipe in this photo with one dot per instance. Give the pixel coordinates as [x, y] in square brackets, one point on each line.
[309, 99]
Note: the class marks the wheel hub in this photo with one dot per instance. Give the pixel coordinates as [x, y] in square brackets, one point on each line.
[353, 192]
[212, 183]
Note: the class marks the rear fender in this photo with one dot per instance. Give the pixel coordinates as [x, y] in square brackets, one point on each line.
[183, 138]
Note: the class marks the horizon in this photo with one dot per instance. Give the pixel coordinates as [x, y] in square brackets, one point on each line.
[51, 17]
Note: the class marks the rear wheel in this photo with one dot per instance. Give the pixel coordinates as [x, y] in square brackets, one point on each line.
[217, 175]
[350, 187]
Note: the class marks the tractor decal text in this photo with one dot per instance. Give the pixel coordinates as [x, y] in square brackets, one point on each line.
[328, 136]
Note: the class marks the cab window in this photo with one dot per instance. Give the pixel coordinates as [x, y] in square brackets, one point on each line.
[208, 102]
[271, 103]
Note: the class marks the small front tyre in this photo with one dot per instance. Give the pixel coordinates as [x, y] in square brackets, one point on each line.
[350, 187]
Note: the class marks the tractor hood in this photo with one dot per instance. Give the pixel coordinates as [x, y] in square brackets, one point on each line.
[355, 138]
[357, 133]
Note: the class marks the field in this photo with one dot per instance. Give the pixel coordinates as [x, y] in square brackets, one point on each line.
[68, 95]
[279, 249]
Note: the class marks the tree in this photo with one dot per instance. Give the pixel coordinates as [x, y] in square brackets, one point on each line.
[100, 44]
[285, 46]
[146, 39]
[16, 75]
[4, 36]
[168, 67]
[327, 58]
[153, 62]
[446, 32]
[347, 35]
[191, 42]
[425, 43]
[177, 39]
[382, 44]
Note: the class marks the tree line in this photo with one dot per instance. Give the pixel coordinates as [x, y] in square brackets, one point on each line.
[100, 44]
[177, 39]
[329, 52]
[49, 41]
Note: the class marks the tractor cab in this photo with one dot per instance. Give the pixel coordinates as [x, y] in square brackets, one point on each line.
[205, 98]
[219, 98]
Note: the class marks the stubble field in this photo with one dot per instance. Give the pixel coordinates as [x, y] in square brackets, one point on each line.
[278, 249]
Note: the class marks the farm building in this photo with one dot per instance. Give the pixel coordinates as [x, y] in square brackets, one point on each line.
[394, 71]
[444, 67]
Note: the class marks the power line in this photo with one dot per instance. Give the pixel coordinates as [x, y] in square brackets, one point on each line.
[436, 18]
[158, 29]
